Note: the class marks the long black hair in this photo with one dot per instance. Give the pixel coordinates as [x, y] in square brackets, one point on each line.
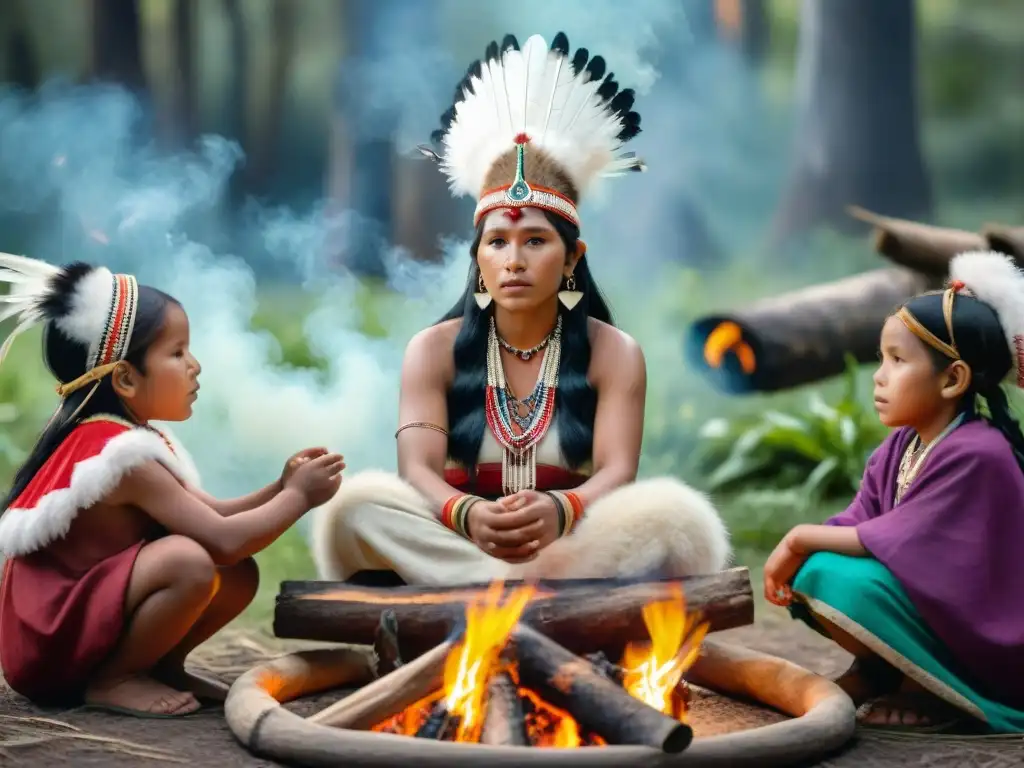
[66, 360]
[575, 398]
[982, 345]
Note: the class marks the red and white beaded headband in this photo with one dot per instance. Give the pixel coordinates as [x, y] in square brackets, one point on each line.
[89, 305]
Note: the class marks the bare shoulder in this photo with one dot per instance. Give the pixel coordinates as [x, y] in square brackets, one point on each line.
[614, 353]
[429, 353]
[607, 341]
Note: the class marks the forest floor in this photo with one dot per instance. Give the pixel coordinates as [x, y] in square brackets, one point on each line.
[31, 735]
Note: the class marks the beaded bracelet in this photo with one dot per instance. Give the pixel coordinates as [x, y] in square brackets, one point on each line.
[570, 510]
[455, 513]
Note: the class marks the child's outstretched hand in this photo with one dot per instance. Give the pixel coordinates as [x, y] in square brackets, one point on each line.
[779, 570]
[298, 460]
[318, 479]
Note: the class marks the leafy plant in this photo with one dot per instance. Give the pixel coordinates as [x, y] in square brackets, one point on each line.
[818, 450]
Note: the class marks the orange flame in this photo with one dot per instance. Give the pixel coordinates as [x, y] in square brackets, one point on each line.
[469, 666]
[728, 337]
[654, 670]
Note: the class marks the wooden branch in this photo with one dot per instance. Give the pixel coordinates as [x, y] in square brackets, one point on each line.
[389, 695]
[921, 247]
[504, 719]
[585, 615]
[599, 705]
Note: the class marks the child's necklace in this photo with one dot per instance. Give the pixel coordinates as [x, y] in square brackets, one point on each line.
[914, 458]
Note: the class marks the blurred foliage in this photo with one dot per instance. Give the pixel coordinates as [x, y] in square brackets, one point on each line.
[808, 454]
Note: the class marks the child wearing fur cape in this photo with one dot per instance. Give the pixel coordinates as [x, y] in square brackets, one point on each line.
[117, 565]
[921, 577]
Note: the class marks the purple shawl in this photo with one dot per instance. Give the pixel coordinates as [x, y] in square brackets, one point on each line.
[956, 545]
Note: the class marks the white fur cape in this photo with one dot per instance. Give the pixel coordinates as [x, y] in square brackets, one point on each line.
[105, 462]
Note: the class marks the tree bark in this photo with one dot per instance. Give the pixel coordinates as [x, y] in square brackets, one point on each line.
[857, 136]
[583, 615]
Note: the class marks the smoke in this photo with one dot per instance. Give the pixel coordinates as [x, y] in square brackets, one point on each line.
[79, 175]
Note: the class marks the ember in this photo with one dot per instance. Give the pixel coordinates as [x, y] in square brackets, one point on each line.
[505, 684]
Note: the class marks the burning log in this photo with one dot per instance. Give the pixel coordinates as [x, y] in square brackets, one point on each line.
[440, 724]
[587, 615]
[505, 720]
[801, 336]
[389, 695]
[385, 644]
[596, 703]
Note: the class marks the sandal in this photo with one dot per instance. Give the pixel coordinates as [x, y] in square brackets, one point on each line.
[932, 715]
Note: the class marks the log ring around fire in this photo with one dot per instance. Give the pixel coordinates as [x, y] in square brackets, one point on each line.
[823, 719]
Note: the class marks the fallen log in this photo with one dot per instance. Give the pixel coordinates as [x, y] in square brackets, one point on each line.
[928, 249]
[585, 615]
[802, 336]
[1008, 240]
[504, 718]
[599, 705]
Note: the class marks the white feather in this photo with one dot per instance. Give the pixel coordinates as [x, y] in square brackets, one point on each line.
[532, 91]
[995, 279]
[27, 281]
[89, 307]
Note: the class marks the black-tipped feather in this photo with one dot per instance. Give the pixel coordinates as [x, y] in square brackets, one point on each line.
[607, 90]
[623, 101]
[491, 54]
[596, 69]
[631, 126]
[560, 44]
[579, 61]
[509, 42]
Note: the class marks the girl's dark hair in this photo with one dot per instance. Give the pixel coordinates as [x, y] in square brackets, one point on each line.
[575, 399]
[66, 360]
[981, 341]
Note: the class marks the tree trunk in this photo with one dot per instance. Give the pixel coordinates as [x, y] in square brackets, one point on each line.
[361, 151]
[857, 139]
[116, 54]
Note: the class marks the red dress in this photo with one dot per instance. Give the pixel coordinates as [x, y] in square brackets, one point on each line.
[58, 619]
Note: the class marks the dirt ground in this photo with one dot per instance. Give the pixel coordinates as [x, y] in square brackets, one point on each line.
[34, 737]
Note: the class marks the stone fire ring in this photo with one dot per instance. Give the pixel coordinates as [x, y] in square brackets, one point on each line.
[823, 719]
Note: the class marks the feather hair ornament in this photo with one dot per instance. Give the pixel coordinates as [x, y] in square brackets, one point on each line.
[89, 305]
[534, 126]
[28, 282]
[995, 279]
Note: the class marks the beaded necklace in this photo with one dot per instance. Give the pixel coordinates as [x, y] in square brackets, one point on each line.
[531, 416]
[912, 461]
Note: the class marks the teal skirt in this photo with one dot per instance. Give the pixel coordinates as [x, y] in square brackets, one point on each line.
[860, 596]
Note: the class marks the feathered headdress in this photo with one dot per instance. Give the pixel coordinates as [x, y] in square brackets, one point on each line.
[89, 305]
[535, 127]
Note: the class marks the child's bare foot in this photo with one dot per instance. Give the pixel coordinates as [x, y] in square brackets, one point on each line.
[202, 686]
[908, 709]
[141, 694]
[867, 678]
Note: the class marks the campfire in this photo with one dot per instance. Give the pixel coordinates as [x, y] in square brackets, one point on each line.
[505, 684]
[589, 672]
